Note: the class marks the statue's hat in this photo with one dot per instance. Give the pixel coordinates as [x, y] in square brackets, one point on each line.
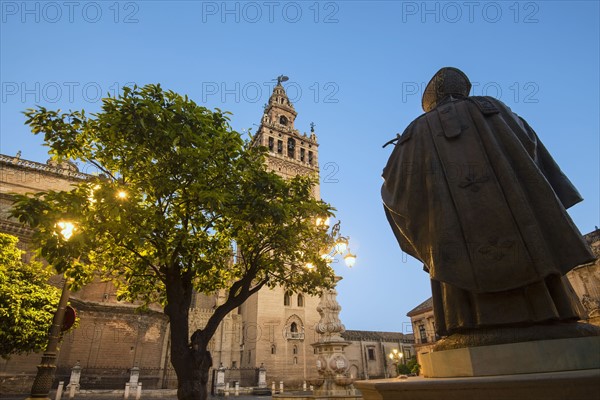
[447, 81]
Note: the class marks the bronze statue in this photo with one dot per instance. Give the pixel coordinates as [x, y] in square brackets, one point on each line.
[472, 192]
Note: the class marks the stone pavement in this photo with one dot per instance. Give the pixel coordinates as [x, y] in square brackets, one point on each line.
[149, 394]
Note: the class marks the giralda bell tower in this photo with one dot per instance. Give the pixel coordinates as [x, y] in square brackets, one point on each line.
[278, 326]
[290, 152]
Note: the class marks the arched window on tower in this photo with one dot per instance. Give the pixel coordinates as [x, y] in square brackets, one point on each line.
[273, 349]
[300, 300]
[286, 299]
[291, 148]
[294, 327]
[295, 350]
[271, 143]
[283, 120]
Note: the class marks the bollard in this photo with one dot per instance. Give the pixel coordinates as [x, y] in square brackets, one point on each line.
[220, 379]
[74, 380]
[304, 386]
[262, 376]
[311, 388]
[133, 384]
[227, 389]
[237, 388]
[138, 393]
[273, 387]
[134, 377]
[59, 390]
[280, 386]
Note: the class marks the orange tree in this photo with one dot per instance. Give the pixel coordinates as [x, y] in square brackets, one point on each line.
[182, 204]
[27, 301]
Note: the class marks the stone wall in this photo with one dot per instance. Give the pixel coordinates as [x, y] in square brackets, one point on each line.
[368, 352]
[585, 280]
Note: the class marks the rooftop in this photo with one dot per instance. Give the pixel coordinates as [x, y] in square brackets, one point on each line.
[424, 306]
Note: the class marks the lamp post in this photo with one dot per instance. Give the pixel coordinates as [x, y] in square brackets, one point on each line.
[45, 374]
[396, 357]
[340, 246]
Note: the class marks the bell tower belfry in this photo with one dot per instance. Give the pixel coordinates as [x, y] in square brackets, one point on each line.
[290, 153]
[278, 325]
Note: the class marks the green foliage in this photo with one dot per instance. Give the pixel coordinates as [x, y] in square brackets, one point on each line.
[403, 369]
[414, 367]
[27, 301]
[411, 367]
[193, 191]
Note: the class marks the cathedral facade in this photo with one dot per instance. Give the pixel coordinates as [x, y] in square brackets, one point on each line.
[273, 329]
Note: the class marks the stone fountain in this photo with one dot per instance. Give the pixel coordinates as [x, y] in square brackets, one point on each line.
[332, 364]
[333, 381]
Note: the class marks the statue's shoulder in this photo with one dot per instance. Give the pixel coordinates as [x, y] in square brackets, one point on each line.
[486, 104]
[411, 128]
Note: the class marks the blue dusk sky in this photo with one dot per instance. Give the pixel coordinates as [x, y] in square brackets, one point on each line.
[357, 70]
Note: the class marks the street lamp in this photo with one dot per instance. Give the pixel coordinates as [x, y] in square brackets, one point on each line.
[45, 374]
[340, 245]
[396, 357]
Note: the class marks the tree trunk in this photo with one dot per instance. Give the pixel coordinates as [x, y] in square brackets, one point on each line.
[193, 383]
[191, 363]
[188, 361]
[190, 358]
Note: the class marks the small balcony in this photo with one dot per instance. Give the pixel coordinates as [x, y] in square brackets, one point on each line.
[294, 335]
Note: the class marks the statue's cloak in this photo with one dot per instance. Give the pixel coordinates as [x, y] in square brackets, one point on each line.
[472, 192]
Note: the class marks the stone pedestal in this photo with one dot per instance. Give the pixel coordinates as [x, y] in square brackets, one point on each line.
[569, 385]
[514, 358]
[559, 369]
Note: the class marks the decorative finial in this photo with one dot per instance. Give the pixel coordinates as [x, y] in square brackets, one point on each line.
[312, 126]
[281, 78]
[18, 155]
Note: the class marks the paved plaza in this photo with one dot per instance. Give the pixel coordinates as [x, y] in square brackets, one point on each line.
[153, 394]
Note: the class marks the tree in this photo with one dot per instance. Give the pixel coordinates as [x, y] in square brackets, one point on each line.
[27, 301]
[182, 204]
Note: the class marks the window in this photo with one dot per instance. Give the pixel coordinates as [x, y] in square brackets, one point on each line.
[234, 364]
[291, 150]
[295, 360]
[295, 350]
[271, 144]
[300, 300]
[286, 299]
[295, 330]
[283, 120]
[302, 151]
[280, 146]
[371, 353]
[422, 333]
[310, 157]
[273, 349]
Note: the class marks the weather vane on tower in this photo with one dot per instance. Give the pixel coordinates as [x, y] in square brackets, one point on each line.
[281, 78]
